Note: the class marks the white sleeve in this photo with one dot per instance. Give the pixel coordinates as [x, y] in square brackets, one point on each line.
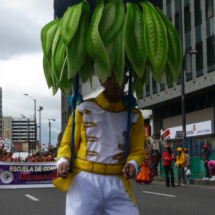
[135, 165]
[61, 160]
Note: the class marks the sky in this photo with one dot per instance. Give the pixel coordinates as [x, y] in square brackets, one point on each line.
[21, 68]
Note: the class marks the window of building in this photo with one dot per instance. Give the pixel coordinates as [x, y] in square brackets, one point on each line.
[160, 4]
[148, 87]
[154, 86]
[168, 1]
[199, 57]
[210, 51]
[179, 79]
[198, 12]
[162, 84]
[187, 19]
[188, 64]
[209, 9]
[177, 22]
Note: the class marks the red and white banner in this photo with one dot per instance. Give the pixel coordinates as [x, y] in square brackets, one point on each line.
[147, 131]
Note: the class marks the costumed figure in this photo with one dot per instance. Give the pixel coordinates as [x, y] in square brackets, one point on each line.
[100, 138]
[105, 135]
[145, 175]
[206, 154]
[211, 166]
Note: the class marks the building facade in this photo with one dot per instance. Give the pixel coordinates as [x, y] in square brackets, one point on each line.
[197, 26]
[24, 129]
[194, 20]
[7, 127]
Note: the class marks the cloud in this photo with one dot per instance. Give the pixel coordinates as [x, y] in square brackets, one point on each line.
[21, 24]
[21, 63]
[24, 75]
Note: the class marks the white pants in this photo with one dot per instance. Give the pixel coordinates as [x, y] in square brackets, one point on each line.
[93, 194]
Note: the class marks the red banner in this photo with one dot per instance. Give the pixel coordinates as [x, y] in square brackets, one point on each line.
[147, 131]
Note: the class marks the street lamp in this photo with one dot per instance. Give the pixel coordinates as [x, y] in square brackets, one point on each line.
[40, 109]
[182, 74]
[35, 118]
[50, 130]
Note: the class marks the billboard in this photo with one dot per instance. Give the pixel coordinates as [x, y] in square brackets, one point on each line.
[195, 129]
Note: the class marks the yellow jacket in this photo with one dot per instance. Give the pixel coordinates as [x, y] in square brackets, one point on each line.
[100, 138]
[181, 160]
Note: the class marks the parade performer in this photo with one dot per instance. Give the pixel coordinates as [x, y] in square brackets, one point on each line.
[106, 36]
[211, 166]
[167, 163]
[145, 175]
[99, 182]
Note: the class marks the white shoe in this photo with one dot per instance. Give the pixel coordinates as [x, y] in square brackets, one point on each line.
[204, 179]
[212, 178]
[208, 178]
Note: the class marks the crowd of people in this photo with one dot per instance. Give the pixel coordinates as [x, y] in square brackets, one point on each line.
[183, 165]
[181, 161]
[44, 157]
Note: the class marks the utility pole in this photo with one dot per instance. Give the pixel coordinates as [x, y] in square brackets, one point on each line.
[40, 109]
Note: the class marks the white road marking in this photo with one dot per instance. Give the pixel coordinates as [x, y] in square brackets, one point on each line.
[160, 194]
[31, 197]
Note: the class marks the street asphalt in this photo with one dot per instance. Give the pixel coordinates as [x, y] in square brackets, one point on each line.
[152, 199]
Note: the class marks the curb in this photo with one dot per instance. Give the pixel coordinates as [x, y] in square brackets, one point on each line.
[199, 182]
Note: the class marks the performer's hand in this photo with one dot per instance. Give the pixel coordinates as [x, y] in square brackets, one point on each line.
[129, 171]
[62, 170]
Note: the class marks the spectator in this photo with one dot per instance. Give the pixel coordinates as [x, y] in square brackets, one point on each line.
[187, 166]
[4, 158]
[168, 167]
[180, 163]
[9, 158]
[156, 162]
[206, 154]
[212, 170]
